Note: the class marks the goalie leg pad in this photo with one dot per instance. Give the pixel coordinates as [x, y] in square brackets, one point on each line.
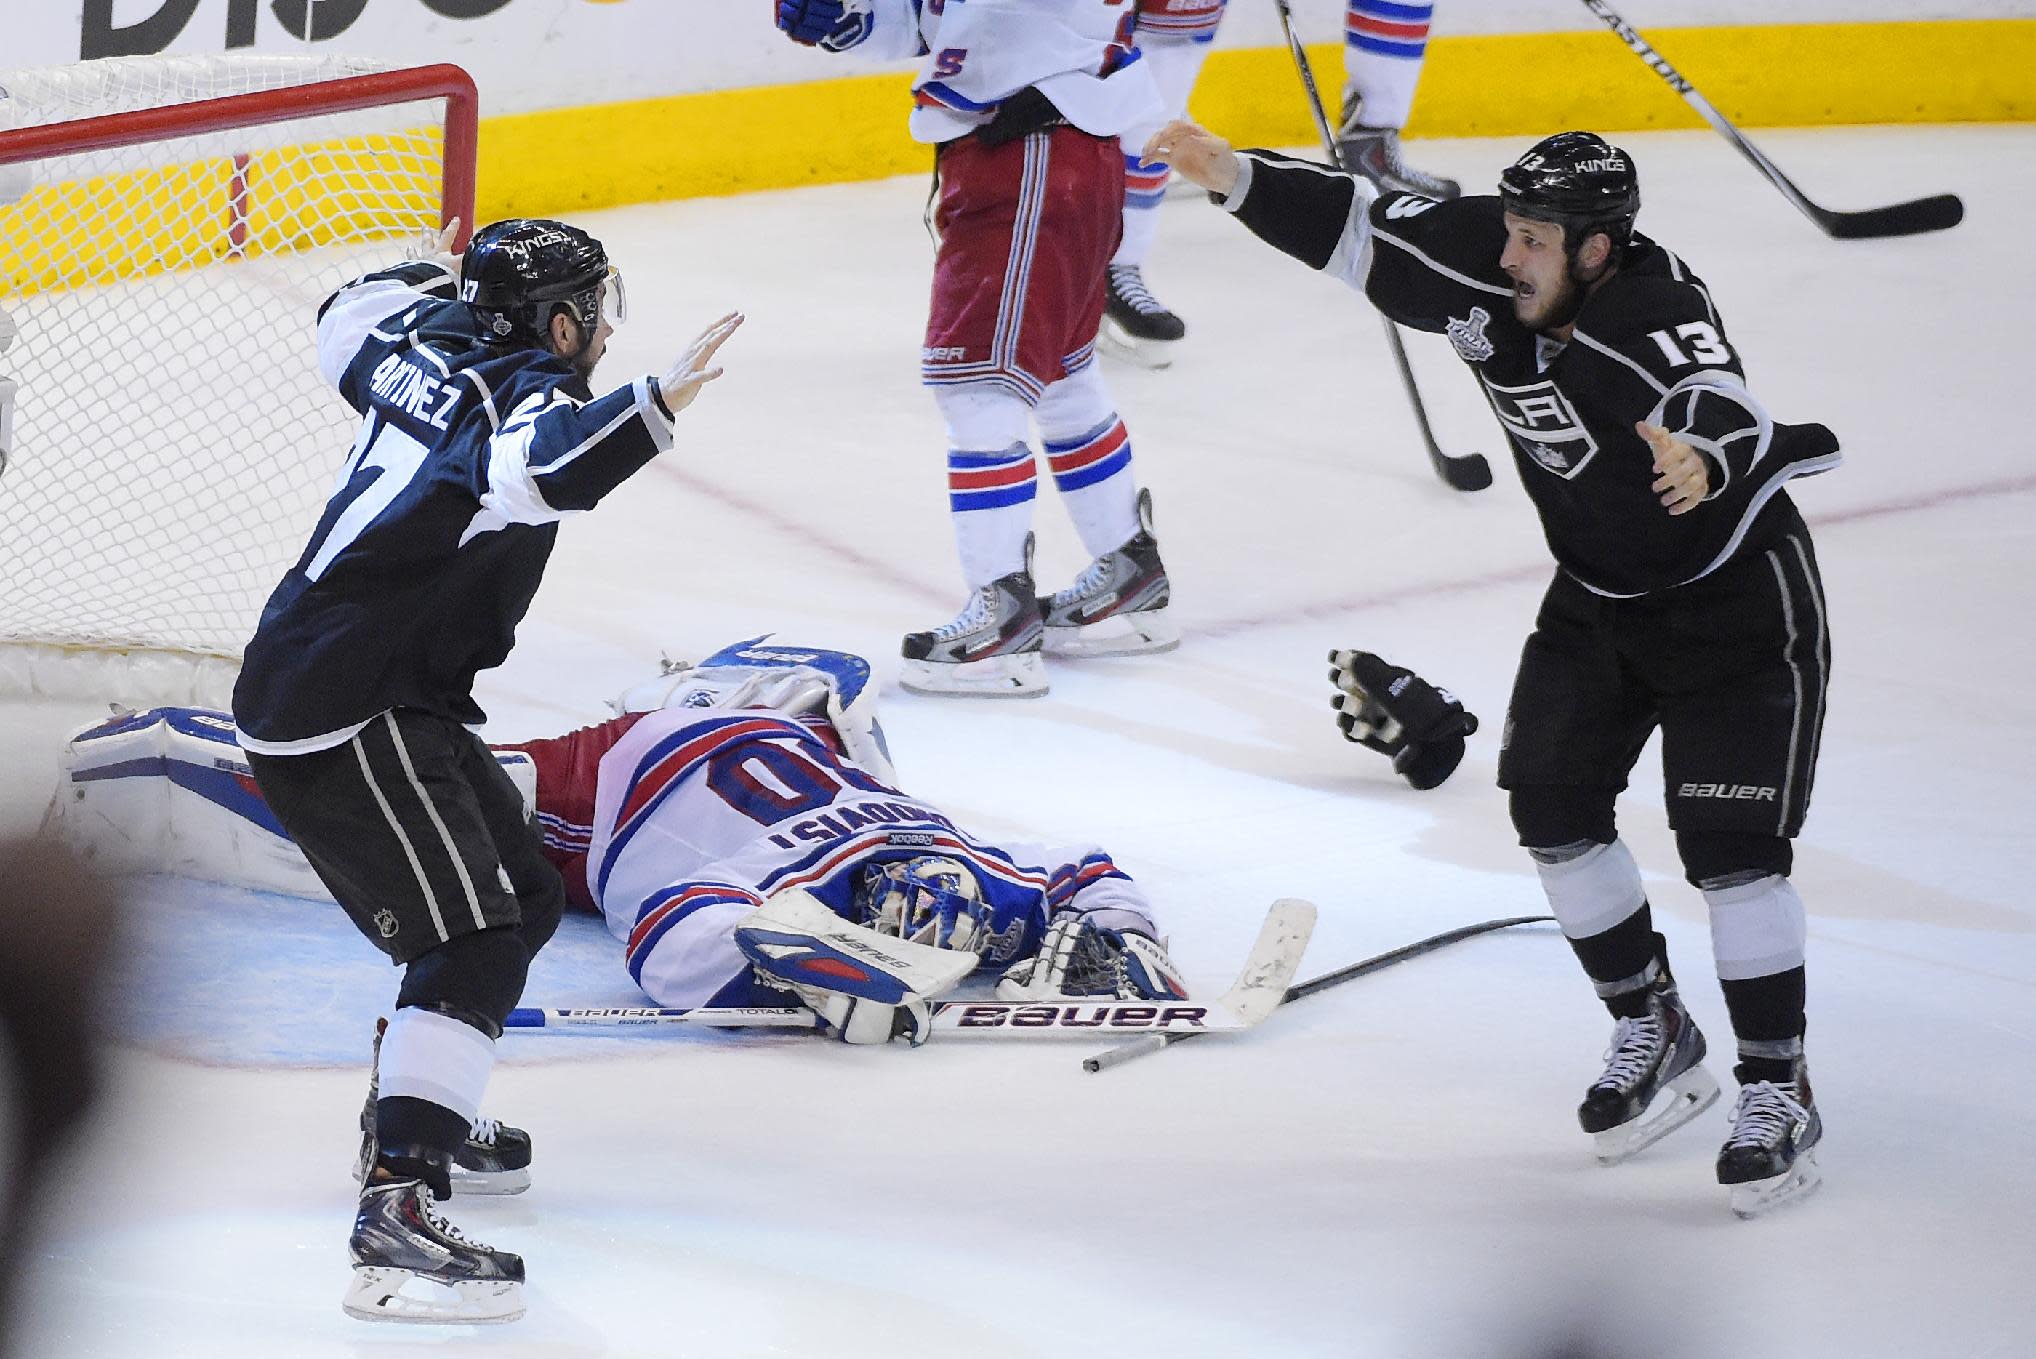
[869, 987]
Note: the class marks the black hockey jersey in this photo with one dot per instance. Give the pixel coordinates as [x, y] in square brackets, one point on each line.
[1647, 345]
[431, 547]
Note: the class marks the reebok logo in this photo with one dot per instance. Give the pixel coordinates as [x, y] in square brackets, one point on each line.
[1730, 792]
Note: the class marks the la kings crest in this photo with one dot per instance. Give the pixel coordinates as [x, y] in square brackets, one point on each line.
[1544, 424]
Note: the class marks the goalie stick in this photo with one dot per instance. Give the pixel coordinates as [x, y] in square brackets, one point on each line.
[1935, 213]
[1261, 987]
[1153, 1042]
[1469, 472]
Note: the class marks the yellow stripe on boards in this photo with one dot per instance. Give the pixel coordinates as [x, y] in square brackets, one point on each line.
[1781, 75]
[785, 136]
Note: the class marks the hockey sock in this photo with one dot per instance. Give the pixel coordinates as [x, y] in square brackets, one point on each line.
[1093, 473]
[991, 481]
[1144, 187]
[1590, 887]
[415, 1140]
[1089, 451]
[436, 1059]
[991, 495]
[1624, 962]
[1758, 933]
[1384, 44]
[1767, 1019]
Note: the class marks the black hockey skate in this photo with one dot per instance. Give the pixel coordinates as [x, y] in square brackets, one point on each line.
[1118, 605]
[495, 1158]
[1374, 152]
[990, 650]
[1136, 325]
[410, 1264]
[1661, 1052]
[1771, 1157]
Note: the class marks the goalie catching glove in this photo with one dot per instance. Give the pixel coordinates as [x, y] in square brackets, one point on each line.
[1083, 956]
[1394, 711]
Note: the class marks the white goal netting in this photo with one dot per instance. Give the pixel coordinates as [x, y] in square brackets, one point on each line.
[167, 440]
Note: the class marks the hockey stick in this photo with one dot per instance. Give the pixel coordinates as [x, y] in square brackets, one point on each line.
[1261, 987]
[1935, 213]
[1153, 1042]
[1470, 472]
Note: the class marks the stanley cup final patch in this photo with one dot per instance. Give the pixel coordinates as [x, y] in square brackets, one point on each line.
[1467, 334]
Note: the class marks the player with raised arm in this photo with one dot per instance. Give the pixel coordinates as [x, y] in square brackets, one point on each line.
[1687, 596]
[478, 435]
[1025, 100]
[1385, 44]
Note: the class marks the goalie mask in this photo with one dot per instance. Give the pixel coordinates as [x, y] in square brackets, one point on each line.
[929, 900]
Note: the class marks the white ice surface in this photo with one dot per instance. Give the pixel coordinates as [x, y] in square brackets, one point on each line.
[1390, 1168]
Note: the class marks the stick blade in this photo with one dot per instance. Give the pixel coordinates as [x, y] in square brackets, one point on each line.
[1939, 212]
[1274, 960]
[1468, 473]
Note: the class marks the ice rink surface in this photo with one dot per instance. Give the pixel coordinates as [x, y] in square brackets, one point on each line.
[1391, 1168]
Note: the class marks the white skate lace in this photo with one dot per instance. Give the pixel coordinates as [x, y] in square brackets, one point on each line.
[979, 611]
[1129, 281]
[1764, 1114]
[1093, 578]
[437, 1220]
[1636, 1047]
[484, 1131]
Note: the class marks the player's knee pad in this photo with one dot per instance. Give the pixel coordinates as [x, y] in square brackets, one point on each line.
[1758, 928]
[983, 417]
[1075, 405]
[1711, 858]
[475, 978]
[1590, 886]
[1550, 815]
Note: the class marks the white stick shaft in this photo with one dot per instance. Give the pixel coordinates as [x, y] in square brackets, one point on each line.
[1073, 1018]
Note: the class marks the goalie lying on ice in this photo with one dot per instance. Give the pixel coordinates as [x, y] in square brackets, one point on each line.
[759, 773]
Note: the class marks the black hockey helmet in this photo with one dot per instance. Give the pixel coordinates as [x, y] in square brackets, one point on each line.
[519, 272]
[1580, 182]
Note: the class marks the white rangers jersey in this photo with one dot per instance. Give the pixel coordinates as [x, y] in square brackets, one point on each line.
[701, 813]
[1079, 54]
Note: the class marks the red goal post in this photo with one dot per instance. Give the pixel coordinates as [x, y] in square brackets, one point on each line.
[168, 227]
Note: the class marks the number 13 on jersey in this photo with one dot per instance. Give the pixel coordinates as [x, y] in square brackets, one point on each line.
[1705, 344]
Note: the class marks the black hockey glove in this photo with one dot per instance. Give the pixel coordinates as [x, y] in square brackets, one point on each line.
[1397, 713]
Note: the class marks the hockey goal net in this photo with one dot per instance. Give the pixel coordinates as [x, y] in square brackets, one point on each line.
[168, 228]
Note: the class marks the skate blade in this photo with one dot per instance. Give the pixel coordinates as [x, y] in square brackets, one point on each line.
[1756, 1198]
[489, 1182]
[379, 1294]
[1114, 341]
[1146, 632]
[1019, 675]
[1688, 1095]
